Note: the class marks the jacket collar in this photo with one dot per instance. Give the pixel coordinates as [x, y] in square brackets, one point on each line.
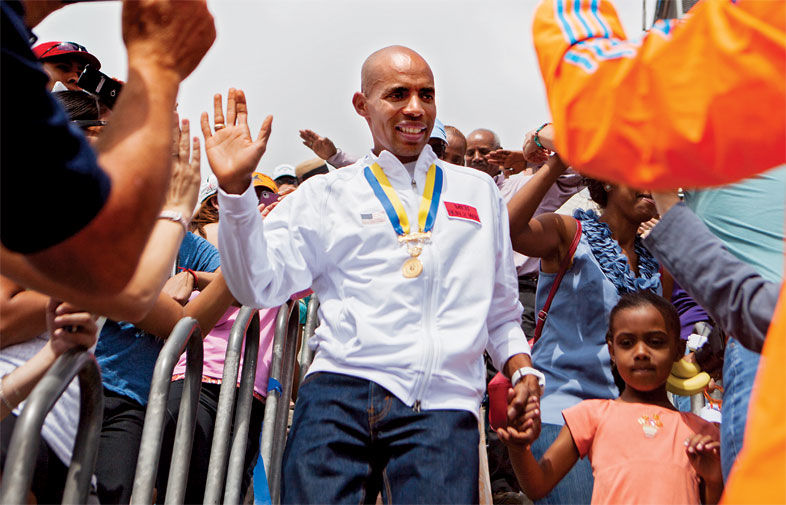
[395, 170]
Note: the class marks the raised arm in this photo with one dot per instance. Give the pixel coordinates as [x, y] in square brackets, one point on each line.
[621, 113]
[155, 264]
[546, 236]
[165, 40]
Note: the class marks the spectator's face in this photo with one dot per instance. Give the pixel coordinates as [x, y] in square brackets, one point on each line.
[64, 69]
[399, 104]
[456, 149]
[286, 183]
[479, 145]
[642, 347]
[637, 205]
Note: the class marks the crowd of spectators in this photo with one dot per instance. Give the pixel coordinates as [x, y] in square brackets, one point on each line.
[553, 295]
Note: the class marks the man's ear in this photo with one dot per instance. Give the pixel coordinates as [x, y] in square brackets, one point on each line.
[359, 102]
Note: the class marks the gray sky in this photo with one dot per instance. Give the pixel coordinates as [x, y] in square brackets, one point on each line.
[300, 61]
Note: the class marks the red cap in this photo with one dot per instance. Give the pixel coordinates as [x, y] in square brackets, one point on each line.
[48, 50]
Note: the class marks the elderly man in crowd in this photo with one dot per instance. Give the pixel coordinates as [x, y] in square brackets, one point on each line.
[407, 308]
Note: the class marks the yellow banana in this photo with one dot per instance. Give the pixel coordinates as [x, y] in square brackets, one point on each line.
[687, 387]
[684, 369]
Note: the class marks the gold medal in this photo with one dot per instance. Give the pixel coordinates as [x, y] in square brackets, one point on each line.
[412, 268]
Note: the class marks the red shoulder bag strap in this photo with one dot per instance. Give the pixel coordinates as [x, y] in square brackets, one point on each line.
[563, 267]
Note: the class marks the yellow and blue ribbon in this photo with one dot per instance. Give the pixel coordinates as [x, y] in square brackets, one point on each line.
[429, 203]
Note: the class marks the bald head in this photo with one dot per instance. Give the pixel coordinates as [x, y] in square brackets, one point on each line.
[479, 144]
[396, 58]
[397, 100]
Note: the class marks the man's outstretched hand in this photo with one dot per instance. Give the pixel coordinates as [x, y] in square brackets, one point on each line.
[322, 146]
[232, 153]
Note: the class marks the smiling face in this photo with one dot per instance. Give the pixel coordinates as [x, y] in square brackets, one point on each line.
[643, 347]
[398, 102]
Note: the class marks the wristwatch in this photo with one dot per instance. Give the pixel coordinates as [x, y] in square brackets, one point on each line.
[175, 216]
[528, 370]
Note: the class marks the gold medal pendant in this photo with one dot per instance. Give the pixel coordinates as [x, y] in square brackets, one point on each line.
[412, 268]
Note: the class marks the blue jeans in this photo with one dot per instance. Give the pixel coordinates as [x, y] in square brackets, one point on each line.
[576, 486]
[739, 372]
[351, 439]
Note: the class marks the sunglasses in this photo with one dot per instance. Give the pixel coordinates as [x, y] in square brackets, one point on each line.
[65, 46]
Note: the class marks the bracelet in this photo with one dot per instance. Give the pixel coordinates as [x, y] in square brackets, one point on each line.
[537, 139]
[177, 217]
[2, 394]
[193, 274]
[528, 370]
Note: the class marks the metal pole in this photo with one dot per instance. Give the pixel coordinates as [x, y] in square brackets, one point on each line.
[237, 456]
[282, 409]
[219, 449]
[312, 321]
[186, 332]
[18, 471]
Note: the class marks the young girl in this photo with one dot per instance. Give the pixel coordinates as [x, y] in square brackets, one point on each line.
[642, 450]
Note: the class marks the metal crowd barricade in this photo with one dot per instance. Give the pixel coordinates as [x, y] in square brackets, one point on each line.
[306, 354]
[19, 467]
[282, 369]
[245, 326]
[185, 336]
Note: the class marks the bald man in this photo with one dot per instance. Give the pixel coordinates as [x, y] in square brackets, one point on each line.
[457, 146]
[409, 300]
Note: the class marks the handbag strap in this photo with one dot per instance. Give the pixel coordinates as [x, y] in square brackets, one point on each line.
[563, 267]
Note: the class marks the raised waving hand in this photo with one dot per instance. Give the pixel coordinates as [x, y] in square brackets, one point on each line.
[232, 152]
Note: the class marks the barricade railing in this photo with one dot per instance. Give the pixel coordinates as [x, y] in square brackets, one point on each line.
[245, 327]
[306, 354]
[186, 336]
[282, 369]
[23, 449]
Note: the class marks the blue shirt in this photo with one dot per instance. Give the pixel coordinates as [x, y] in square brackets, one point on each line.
[126, 354]
[50, 183]
[748, 217]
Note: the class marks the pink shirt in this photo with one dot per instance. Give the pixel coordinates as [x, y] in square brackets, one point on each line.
[637, 450]
[215, 348]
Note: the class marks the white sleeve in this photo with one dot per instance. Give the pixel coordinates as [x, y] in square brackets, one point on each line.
[264, 263]
[342, 159]
[506, 338]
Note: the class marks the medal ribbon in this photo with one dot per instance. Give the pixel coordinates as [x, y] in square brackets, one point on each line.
[429, 203]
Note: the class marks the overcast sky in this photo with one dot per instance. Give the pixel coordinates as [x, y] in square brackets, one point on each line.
[300, 61]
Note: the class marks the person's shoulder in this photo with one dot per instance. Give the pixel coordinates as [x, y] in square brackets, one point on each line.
[698, 424]
[459, 171]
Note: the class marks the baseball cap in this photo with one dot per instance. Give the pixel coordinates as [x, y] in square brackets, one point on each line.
[284, 171]
[208, 188]
[438, 132]
[310, 168]
[260, 179]
[47, 50]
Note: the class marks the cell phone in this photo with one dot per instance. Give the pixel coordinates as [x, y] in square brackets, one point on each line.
[267, 197]
[98, 83]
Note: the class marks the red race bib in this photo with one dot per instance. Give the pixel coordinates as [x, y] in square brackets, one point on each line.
[461, 211]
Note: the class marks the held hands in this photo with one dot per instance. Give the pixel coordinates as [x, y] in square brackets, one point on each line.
[180, 287]
[523, 414]
[170, 34]
[322, 146]
[69, 327]
[183, 188]
[232, 153]
[704, 455]
[510, 161]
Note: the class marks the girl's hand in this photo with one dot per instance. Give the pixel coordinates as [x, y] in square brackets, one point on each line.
[523, 435]
[69, 327]
[232, 153]
[183, 190]
[704, 455]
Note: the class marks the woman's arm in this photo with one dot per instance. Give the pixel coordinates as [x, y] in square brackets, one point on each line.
[548, 235]
[538, 478]
[15, 386]
[207, 308]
